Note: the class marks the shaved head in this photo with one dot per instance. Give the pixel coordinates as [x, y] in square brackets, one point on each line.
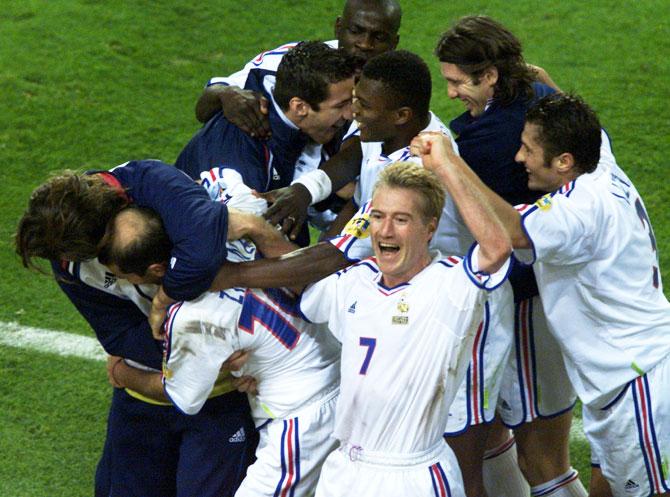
[368, 27]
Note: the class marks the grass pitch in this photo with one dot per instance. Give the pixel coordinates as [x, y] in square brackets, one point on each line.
[92, 84]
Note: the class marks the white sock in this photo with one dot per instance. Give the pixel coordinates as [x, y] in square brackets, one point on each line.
[502, 476]
[566, 485]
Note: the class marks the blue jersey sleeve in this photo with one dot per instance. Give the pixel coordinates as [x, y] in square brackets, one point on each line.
[119, 325]
[197, 227]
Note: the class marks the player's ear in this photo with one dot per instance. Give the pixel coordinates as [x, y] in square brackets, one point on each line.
[565, 163]
[490, 75]
[403, 115]
[157, 269]
[299, 107]
[432, 227]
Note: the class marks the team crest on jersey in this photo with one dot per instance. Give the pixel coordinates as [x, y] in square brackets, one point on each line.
[403, 308]
[358, 226]
[544, 203]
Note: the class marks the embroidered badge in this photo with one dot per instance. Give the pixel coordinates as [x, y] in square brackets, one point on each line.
[358, 226]
[544, 202]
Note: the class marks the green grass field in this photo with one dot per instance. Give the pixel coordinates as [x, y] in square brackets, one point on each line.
[91, 84]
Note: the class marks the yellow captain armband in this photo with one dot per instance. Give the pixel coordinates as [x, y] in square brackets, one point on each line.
[358, 226]
[544, 202]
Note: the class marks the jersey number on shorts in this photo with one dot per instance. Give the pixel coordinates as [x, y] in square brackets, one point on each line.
[255, 310]
[370, 343]
[642, 214]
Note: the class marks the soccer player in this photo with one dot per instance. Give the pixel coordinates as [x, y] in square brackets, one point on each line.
[483, 65]
[407, 320]
[86, 203]
[366, 28]
[151, 448]
[310, 98]
[593, 250]
[295, 364]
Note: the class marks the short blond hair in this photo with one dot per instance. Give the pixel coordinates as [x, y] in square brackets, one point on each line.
[414, 177]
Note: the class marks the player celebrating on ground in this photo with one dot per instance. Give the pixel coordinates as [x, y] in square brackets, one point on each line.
[593, 249]
[407, 321]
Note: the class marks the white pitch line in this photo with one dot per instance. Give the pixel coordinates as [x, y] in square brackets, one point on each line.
[55, 342]
[68, 344]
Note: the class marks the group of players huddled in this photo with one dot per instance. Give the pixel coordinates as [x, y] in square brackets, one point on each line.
[472, 281]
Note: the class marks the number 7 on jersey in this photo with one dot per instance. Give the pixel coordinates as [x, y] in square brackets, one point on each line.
[370, 343]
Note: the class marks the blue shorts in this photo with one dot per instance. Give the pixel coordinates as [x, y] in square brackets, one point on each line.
[157, 451]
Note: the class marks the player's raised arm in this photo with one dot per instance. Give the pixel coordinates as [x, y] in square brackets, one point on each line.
[438, 156]
[442, 157]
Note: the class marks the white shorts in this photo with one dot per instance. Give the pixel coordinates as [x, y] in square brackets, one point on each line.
[433, 473]
[477, 397]
[630, 437]
[291, 452]
[535, 383]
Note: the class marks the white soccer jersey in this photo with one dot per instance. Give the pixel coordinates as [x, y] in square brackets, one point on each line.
[596, 265]
[452, 236]
[265, 61]
[94, 274]
[294, 362]
[404, 349]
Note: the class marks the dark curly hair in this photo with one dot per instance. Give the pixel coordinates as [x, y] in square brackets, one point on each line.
[567, 124]
[66, 218]
[406, 75]
[476, 43]
[308, 69]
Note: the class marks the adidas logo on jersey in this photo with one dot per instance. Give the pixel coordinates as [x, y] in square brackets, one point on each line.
[239, 437]
[352, 308]
[631, 487]
[110, 279]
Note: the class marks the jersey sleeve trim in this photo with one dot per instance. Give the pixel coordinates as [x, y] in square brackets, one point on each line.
[481, 279]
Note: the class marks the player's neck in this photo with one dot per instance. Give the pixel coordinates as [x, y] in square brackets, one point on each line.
[405, 135]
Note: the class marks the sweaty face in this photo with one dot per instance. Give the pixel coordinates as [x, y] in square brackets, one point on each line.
[374, 115]
[321, 125]
[366, 32]
[542, 173]
[399, 234]
[461, 86]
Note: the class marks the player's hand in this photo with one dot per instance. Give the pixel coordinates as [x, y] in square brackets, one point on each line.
[246, 384]
[159, 306]
[236, 360]
[246, 109]
[434, 149]
[289, 208]
[113, 363]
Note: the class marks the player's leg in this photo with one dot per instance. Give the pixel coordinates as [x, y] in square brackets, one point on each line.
[217, 446]
[537, 400]
[102, 477]
[630, 437]
[502, 476]
[292, 451]
[599, 486]
[143, 448]
[469, 448]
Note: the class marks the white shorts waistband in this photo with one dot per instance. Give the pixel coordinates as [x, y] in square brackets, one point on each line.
[407, 459]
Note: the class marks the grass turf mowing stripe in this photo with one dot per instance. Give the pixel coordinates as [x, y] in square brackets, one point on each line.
[56, 342]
